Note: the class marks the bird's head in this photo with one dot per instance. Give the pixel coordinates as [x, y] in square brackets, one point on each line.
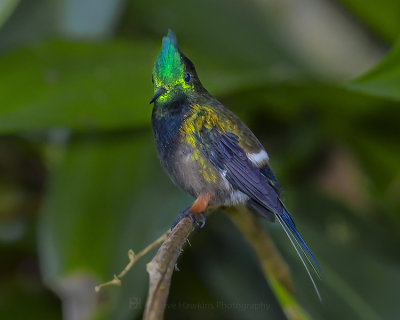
[173, 73]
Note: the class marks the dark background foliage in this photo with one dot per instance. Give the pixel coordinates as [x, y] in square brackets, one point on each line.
[80, 183]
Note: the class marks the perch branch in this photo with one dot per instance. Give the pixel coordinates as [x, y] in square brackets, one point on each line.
[161, 267]
[132, 260]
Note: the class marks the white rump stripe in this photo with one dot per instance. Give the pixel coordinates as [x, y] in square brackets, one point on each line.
[258, 158]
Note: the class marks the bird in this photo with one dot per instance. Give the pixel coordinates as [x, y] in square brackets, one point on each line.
[210, 153]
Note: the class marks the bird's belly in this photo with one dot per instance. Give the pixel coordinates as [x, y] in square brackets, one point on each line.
[195, 174]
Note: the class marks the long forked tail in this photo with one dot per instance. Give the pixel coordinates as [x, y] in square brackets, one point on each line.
[300, 246]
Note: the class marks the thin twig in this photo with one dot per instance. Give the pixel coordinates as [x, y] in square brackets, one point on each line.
[161, 267]
[132, 260]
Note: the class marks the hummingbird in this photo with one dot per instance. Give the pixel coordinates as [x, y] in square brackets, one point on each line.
[210, 153]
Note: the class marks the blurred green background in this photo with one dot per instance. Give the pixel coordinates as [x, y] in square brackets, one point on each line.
[318, 81]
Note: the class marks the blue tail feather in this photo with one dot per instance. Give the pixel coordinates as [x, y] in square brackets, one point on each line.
[292, 227]
[297, 241]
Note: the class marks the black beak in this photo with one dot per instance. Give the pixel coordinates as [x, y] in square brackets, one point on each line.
[159, 92]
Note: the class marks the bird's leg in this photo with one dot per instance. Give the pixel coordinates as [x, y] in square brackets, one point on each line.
[183, 214]
[195, 211]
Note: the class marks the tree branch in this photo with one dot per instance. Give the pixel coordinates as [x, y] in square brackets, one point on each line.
[161, 267]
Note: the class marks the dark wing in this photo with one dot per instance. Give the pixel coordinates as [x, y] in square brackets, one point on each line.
[273, 181]
[226, 154]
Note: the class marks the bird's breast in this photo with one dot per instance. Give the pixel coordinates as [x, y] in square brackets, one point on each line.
[166, 133]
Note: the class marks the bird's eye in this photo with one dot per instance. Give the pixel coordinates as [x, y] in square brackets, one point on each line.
[187, 77]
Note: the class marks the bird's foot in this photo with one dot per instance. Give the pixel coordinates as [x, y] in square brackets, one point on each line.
[198, 224]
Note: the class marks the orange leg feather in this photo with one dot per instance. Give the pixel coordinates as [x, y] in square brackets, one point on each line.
[200, 205]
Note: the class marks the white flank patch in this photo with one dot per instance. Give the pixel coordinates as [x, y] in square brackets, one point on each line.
[237, 197]
[258, 158]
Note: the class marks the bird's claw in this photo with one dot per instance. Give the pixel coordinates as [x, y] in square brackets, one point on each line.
[202, 223]
[186, 213]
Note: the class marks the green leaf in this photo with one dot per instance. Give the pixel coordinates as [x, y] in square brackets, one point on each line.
[76, 85]
[384, 79]
[382, 16]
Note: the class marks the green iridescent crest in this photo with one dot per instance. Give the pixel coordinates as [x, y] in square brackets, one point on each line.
[169, 68]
